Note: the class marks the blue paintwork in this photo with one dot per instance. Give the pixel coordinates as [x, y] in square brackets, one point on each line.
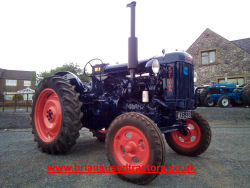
[145, 65]
[113, 93]
[228, 90]
[229, 86]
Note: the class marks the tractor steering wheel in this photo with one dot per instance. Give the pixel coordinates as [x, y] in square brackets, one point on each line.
[89, 63]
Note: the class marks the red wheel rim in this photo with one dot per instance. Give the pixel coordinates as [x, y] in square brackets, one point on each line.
[131, 147]
[193, 137]
[48, 115]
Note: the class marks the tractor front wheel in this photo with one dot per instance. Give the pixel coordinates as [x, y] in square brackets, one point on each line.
[134, 140]
[195, 142]
[56, 115]
[224, 102]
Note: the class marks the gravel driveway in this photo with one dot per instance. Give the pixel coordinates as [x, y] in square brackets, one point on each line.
[226, 163]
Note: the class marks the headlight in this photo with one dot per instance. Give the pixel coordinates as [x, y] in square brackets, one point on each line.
[155, 66]
[195, 76]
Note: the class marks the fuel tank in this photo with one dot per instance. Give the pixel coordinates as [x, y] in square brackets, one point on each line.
[142, 68]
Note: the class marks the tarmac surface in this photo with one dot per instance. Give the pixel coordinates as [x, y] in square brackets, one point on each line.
[226, 163]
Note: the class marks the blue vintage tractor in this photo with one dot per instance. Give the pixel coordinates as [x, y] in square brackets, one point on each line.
[129, 105]
[224, 95]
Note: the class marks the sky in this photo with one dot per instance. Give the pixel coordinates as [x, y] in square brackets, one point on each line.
[38, 35]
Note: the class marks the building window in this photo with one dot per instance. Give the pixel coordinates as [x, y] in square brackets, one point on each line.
[237, 81]
[208, 57]
[11, 82]
[26, 83]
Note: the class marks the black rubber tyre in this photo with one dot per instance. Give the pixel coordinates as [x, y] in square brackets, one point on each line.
[70, 115]
[203, 95]
[208, 102]
[99, 135]
[202, 144]
[153, 137]
[246, 95]
[224, 102]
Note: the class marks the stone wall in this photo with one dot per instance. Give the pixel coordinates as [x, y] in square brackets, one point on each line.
[231, 60]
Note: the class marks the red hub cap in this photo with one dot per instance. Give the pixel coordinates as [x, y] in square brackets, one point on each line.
[131, 147]
[191, 139]
[48, 115]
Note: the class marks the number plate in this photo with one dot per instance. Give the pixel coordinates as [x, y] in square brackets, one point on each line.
[183, 114]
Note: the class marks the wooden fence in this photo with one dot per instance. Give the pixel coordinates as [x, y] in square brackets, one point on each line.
[14, 103]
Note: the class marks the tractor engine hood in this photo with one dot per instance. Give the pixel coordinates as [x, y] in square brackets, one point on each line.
[145, 65]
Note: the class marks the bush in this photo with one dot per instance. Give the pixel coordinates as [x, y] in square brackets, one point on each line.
[19, 97]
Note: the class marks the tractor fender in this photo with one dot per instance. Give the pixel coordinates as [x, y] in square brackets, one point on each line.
[81, 87]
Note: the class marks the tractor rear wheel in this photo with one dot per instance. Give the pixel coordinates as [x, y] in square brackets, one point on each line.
[135, 140]
[208, 102]
[56, 115]
[196, 141]
[246, 95]
[203, 95]
[224, 102]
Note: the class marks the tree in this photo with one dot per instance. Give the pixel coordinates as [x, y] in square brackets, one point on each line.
[71, 67]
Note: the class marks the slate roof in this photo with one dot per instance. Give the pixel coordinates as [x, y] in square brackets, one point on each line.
[243, 43]
[16, 74]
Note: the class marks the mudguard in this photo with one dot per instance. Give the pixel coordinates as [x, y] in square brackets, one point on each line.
[81, 87]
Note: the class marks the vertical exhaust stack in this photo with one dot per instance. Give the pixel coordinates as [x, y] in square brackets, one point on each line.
[132, 44]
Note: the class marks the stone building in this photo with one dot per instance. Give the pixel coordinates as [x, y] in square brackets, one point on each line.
[218, 60]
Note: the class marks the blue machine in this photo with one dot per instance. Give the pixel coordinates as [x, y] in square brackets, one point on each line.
[222, 94]
[129, 106]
